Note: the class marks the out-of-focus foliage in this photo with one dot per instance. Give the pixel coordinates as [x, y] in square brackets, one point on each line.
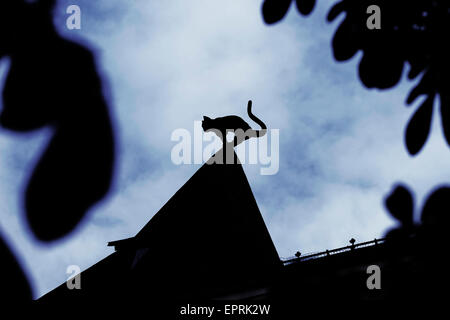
[53, 82]
[75, 170]
[434, 217]
[413, 32]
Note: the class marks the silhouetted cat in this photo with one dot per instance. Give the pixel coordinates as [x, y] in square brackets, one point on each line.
[235, 124]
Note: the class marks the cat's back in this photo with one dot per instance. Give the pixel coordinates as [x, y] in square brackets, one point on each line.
[231, 122]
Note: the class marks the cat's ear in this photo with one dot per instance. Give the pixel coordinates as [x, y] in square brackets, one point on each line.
[206, 118]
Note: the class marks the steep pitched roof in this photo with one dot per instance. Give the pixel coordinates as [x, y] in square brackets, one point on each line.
[209, 239]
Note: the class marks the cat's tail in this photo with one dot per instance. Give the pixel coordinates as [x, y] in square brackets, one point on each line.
[257, 133]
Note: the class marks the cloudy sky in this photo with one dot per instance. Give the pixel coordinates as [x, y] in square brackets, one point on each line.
[165, 64]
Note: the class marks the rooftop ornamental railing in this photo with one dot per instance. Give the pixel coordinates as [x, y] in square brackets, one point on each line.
[326, 253]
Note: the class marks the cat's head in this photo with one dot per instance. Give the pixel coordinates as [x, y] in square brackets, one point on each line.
[207, 123]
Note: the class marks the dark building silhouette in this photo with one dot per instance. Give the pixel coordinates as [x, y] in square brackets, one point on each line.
[209, 241]
[209, 244]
